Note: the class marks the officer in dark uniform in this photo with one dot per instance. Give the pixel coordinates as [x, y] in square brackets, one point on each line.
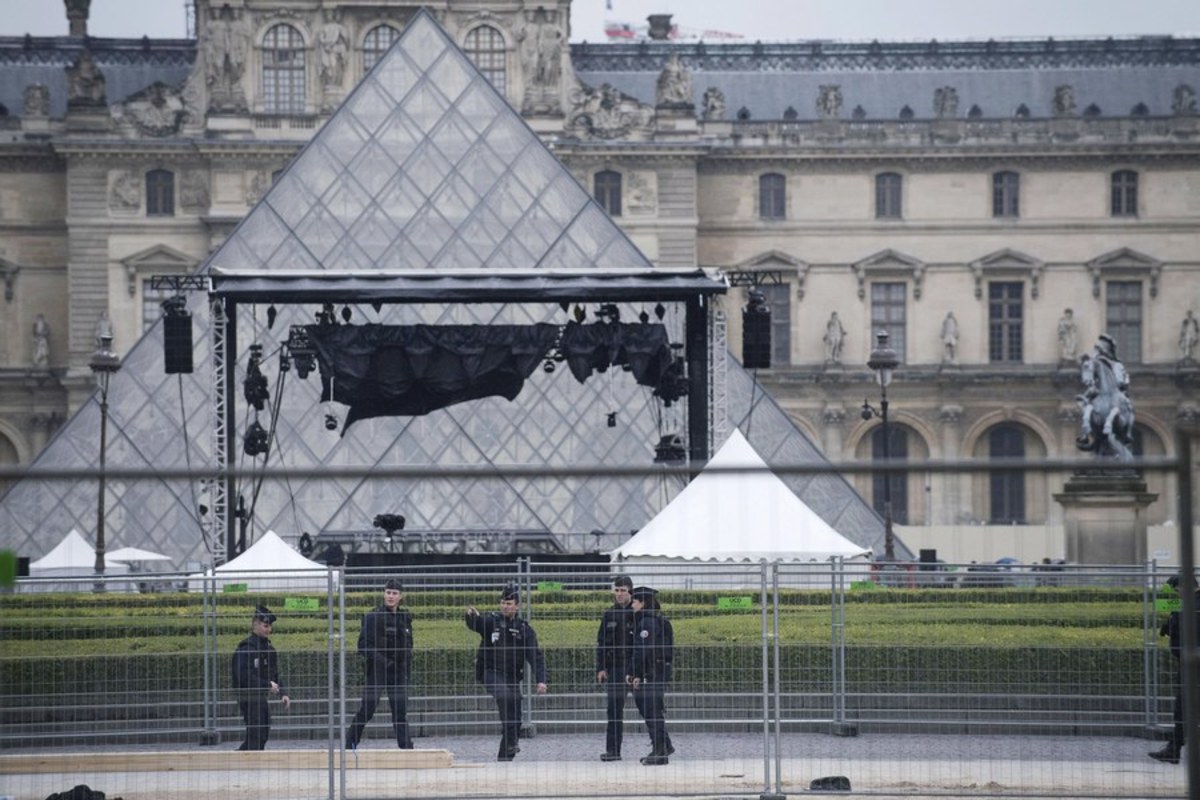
[650, 670]
[506, 644]
[386, 642]
[614, 648]
[1173, 630]
[256, 677]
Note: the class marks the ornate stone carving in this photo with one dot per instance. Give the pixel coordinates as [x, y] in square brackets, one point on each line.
[606, 113]
[1183, 101]
[193, 191]
[125, 191]
[332, 47]
[85, 83]
[1189, 336]
[540, 41]
[257, 186]
[834, 339]
[945, 103]
[155, 111]
[642, 190]
[225, 45]
[1068, 336]
[829, 102]
[37, 100]
[950, 414]
[714, 103]
[833, 414]
[949, 338]
[1064, 101]
[41, 341]
[674, 87]
[1105, 410]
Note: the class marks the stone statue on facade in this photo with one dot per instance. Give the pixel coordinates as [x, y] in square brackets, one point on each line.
[945, 102]
[829, 102]
[1189, 336]
[950, 339]
[1183, 101]
[332, 45]
[226, 46]
[714, 103]
[193, 190]
[1064, 101]
[1106, 412]
[540, 43]
[126, 192]
[606, 113]
[36, 101]
[155, 111]
[674, 89]
[1068, 336]
[834, 339]
[41, 341]
[85, 82]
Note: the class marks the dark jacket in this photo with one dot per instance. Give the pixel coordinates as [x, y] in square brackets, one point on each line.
[614, 641]
[653, 647]
[1173, 630]
[386, 638]
[255, 665]
[505, 646]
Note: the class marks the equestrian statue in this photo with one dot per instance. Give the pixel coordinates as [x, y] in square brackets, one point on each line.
[1106, 412]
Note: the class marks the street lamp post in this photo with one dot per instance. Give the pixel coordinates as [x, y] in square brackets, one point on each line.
[104, 364]
[883, 361]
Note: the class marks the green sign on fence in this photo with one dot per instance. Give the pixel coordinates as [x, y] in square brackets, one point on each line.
[728, 603]
[301, 604]
[230, 588]
[549, 586]
[8, 567]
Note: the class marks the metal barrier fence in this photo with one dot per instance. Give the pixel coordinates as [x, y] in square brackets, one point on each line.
[947, 680]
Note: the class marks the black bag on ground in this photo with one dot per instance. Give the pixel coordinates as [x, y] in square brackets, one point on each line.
[830, 783]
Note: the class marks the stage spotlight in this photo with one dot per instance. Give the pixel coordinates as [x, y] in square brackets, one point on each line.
[670, 450]
[303, 354]
[331, 422]
[256, 442]
[612, 419]
[255, 387]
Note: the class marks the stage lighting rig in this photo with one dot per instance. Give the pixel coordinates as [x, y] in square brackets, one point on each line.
[301, 350]
[255, 387]
[256, 442]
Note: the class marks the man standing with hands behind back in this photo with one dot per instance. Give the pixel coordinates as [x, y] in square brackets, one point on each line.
[506, 644]
[386, 641]
[614, 648]
[255, 677]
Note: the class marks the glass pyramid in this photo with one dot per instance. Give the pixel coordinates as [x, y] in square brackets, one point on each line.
[425, 166]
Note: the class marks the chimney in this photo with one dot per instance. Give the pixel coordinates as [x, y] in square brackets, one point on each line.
[660, 26]
[77, 17]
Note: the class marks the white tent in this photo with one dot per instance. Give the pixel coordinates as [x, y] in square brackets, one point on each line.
[269, 565]
[73, 557]
[723, 517]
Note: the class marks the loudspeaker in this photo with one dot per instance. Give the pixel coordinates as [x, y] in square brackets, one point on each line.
[177, 343]
[756, 337]
[928, 558]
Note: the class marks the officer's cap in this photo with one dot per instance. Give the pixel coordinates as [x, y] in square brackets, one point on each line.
[393, 585]
[510, 593]
[263, 614]
[643, 593]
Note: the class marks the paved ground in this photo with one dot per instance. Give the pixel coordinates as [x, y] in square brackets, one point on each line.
[715, 766]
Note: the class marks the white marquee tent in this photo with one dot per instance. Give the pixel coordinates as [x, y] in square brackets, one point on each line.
[735, 511]
[269, 565]
[73, 557]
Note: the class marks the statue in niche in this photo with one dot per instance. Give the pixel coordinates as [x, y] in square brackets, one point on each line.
[37, 100]
[85, 82]
[674, 88]
[104, 330]
[1189, 336]
[1064, 101]
[126, 193]
[829, 102]
[540, 43]
[225, 48]
[834, 339]
[333, 45]
[41, 341]
[950, 339]
[714, 103]
[1068, 336]
[945, 103]
[1106, 412]
[1183, 101]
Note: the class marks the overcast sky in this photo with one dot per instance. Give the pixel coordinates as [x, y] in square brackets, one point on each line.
[769, 20]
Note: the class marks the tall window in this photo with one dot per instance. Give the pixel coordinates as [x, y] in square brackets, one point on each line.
[1006, 194]
[779, 300]
[283, 71]
[376, 43]
[897, 451]
[607, 190]
[152, 303]
[1004, 321]
[160, 193]
[887, 196]
[1007, 486]
[485, 46]
[772, 196]
[888, 314]
[1123, 318]
[1124, 193]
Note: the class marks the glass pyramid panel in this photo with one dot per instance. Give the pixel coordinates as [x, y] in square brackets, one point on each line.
[424, 165]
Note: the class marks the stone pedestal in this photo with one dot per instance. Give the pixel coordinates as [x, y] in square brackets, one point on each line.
[1104, 517]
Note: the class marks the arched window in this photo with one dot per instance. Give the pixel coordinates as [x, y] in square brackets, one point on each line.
[1007, 485]
[607, 191]
[160, 193]
[376, 43]
[485, 46]
[283, 71]
[1006, 194]
[897, 451]
[1124, 193]
[772, 196]
[887, 195]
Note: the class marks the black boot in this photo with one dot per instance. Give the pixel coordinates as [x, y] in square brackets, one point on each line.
[608, 755]
[1169, 753]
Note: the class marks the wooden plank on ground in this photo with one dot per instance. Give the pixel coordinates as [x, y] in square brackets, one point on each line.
[202, 760]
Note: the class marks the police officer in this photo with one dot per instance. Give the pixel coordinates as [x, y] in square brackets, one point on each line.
[650, 670]
[256, 677]
[506, 644]
[614, 647]
[386, 642]
[1173, 630]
